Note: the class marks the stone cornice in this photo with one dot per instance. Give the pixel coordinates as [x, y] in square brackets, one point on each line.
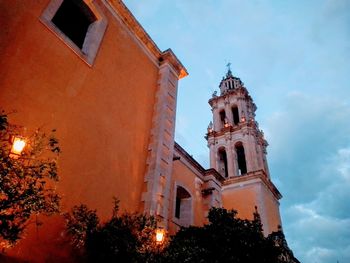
[168, 55]
[251, 176]
[130, 21]
[212, 171]
[204, 172]
[231, 129]
[189, 158]
[239, 91]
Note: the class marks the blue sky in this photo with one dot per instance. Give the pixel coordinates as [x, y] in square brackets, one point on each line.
[294, 58]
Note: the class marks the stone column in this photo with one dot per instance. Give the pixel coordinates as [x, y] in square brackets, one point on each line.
[216, 118]
[230, 166]
[212, 150]
[234, 161]
[161, 145]
[228, 111]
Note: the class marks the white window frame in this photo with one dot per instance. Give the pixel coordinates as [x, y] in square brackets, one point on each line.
[93, 36]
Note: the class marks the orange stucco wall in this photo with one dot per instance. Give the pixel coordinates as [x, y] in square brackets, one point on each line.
[271, 207]
[182, 175]
[102, 113]
[241, 199]
[245, 198]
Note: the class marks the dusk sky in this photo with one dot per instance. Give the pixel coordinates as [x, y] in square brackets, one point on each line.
[294, 58]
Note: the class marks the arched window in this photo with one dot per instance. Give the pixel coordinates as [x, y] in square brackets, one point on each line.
[222, 162]
[222, 117]
[183, 206]
[242, 165]
[235, 115]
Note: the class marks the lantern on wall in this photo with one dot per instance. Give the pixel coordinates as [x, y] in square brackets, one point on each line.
[160, 236]
[18, 144]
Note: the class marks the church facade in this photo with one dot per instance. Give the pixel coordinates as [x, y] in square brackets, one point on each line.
[115, 120]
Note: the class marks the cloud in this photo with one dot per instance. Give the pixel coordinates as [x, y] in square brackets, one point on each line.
[294, 60]
[310, 154]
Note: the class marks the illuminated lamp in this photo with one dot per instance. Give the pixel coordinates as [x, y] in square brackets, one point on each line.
[243, 119]
[18, 144]
[160, 236]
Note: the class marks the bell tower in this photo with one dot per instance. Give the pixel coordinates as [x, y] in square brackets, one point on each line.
[238, 152]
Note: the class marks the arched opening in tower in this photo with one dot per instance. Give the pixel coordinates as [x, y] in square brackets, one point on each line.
[242, 165]
[183, 206]
[235, 115]
[222, 117]
[223, 163]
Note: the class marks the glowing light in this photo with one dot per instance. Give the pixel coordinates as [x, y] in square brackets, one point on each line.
[18, 145]
[159, 235]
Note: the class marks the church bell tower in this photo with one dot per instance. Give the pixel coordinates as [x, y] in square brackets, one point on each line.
[238, 152]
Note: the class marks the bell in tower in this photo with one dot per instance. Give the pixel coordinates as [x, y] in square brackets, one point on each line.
[238, 152]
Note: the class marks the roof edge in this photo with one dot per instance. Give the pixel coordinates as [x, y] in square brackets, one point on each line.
[131, 22]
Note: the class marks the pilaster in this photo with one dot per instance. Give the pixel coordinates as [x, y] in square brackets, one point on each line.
[157, 179]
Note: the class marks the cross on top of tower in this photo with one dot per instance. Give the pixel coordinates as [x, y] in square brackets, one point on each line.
[229, 72]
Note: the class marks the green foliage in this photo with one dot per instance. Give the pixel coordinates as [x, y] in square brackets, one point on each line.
[122, 238]
[130, 238]
[225, 239]
[26, 182]
[81, 222]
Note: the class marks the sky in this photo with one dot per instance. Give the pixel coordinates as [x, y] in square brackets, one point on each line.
[294, 58]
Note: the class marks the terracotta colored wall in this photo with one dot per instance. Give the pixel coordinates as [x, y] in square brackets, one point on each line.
[273, 218]
[186, 178]
[102, 113]
[244, 200]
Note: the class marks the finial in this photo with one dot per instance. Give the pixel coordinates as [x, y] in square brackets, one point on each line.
[210, 127]
[215, 94]
[229, 73]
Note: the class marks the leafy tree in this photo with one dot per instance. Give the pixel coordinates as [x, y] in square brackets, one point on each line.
[122, 238]
[26, 182]
[225, 239]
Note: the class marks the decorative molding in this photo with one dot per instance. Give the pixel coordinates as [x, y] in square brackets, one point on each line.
[93, 36]
[134, 26]
[253, 177]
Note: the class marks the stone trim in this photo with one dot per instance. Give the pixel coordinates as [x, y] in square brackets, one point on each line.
[189, 158]
[252, 177]
[161, 146]
[93, 36]
[135, 27]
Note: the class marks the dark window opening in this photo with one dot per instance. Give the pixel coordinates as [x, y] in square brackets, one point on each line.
[242, 166]
[177, 207]
[223, 163]
[235, 115]
[73, 18]
[183, 206]
[222, 117]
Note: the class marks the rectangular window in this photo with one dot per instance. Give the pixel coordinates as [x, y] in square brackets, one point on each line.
[177, 207]
[80, 24]
[73, 18]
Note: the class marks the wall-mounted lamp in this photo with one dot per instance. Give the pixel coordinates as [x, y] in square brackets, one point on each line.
[210, 127]
[243, 119]
[18, 144]
[160, 233]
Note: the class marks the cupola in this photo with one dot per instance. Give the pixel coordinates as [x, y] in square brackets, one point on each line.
[229, 82]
